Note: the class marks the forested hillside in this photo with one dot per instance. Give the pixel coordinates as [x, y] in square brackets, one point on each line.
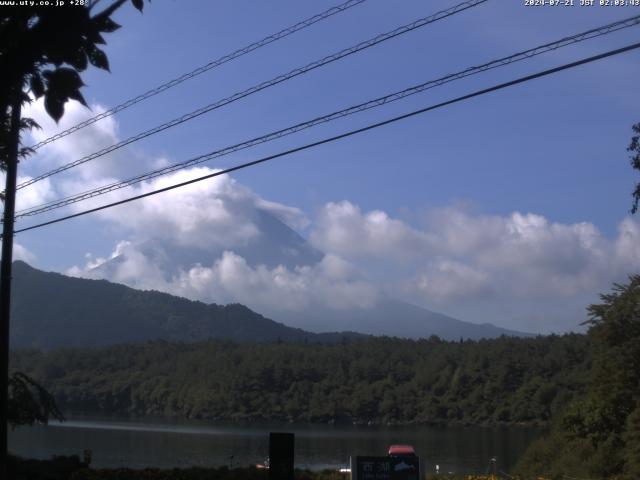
[505, 380]
[50, 310]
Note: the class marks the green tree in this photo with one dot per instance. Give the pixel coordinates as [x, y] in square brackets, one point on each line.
[634, 148]
[307, 382]
[632, 444]
[598, 435]
[43, 50]
[30, 402]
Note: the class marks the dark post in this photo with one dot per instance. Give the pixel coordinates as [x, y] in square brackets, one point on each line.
[281, 450]
[5, 277]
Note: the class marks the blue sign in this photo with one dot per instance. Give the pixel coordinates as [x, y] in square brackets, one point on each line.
[386, 468]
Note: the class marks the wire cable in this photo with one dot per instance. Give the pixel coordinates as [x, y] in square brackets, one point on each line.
[202, 69]
[257, 88]
[592, 33]
[350, 133]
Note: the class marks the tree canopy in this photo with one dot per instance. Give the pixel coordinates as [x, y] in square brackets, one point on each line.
[29, 402]
[634, 149]
[380, 380]
[598, 435]
[43, 50]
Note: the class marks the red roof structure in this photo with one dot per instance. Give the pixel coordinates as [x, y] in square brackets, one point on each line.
[401, 451]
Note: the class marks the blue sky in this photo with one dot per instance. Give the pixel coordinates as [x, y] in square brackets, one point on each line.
[553, 148]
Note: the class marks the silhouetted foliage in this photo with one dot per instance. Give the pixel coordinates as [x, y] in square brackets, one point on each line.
[58, 468]
[43, 50]
[380, 380]
[29, 402]
[598, 435]
[634, 148]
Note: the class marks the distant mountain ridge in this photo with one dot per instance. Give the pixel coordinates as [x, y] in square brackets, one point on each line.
[394, 318]
[50, 310]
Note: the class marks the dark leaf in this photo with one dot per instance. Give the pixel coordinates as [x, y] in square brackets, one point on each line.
[27, 123]
[139, 4]
[76, 95]
[78, 60]
[57, 45]
[98, 58]
[25, 98]
[94, 37]
[25, 152]
[105, 24]
[54, 105]
[64, 80]
[62, 84]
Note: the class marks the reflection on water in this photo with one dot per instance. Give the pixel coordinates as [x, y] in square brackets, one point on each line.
[163, 443]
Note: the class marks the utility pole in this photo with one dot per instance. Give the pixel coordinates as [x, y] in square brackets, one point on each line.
[5, 275]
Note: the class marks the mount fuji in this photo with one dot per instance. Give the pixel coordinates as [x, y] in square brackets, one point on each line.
[278, 245]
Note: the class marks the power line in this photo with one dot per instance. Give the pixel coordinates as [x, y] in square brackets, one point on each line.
[592, 33]
[204, 68]
[269, 83]
[345, 135]
[599, 31]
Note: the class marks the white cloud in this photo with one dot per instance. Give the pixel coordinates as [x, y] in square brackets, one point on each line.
[72, 147]
[32, 195]
[447, 281]
[627, 245]
[98, 172]
[458, 256]
[291, 216]
[331, 282]
[217, 212]
[213, 212]
[343, 228]
[20, 252]
[527, 256]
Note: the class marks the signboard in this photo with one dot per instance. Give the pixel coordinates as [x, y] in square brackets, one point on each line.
[385, 468]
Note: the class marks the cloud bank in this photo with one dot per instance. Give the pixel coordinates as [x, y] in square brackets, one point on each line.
[495, 267]
[460, 256]
[519, 271]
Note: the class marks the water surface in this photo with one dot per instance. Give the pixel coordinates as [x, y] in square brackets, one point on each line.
[137, 443]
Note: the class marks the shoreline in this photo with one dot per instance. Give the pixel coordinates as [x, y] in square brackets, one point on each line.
[98, 416]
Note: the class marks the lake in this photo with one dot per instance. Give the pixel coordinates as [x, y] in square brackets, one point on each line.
[136, 443]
